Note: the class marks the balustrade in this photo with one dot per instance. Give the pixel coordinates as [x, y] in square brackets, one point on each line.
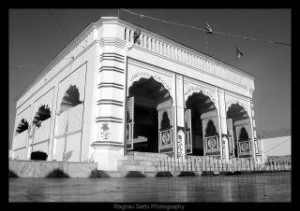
[173, 52]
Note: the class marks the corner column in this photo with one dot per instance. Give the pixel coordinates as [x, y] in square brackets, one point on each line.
[111, 91]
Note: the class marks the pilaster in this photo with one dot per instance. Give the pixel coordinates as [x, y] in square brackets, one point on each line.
[223, 125]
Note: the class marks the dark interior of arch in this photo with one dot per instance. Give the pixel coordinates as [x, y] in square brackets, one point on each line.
[210, 129]
[165, 123]
[199, 103]
[23, 125]
[237, 112]
[41, 115]
[151, 89]
[70, 99]
[243, 135]
[148, 94]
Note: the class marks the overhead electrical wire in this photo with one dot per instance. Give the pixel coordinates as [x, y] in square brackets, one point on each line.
[204, 30]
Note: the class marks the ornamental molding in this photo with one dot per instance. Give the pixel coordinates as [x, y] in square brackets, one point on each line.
[105, 131]
[142, 74]
[206, 91]
[239, 102]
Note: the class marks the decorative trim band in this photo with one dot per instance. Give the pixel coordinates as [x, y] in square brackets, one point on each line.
[111, 68]
[110, 85]
[109, 119]
[112, 56]
[110, 102]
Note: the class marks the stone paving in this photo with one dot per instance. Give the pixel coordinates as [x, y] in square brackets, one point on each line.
[266, 187]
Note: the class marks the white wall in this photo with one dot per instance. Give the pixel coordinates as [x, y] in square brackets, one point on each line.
[276, 146]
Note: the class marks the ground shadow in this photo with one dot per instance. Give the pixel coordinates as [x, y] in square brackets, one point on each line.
[135, 174]
[164, 174]
[208, 173]
[99, 173]
[57, 173]
[186, 173]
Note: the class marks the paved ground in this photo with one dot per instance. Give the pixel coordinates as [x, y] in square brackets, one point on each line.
[267, 187]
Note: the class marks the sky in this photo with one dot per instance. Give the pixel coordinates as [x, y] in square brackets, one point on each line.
[37, 36]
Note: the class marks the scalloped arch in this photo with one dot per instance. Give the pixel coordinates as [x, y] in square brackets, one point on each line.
[240, 103]
[138, 80]
[205, 92]
[138, 76]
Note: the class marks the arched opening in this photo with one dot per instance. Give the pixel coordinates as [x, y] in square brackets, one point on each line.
[238, 128]
[243, 135]
[42, 114]
[71, 98]
[203, 114]
[23, 125]
[165, 123]
[210, 129]
[149, 114]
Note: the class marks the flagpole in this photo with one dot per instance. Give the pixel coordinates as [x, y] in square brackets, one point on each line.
[118, 13]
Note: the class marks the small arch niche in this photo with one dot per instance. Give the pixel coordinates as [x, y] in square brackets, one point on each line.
[243, 135]
[210, 129]
[42, 114]
[165, 122]
[23, 125]
[70, 99]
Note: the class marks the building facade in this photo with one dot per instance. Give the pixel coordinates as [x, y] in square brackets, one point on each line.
[275, 144]
[118, 88]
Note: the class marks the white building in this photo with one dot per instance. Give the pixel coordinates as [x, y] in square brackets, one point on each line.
[118, 88]
[275, 144]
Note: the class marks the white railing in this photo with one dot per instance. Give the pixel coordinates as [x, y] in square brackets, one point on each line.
[186, 57]
[244, 148]
[211, 145]
[166, 140]
[213, 164]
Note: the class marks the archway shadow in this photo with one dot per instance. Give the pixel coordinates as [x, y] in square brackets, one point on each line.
[164, 174]
[98, 173]
[135, 174]
[57, 173]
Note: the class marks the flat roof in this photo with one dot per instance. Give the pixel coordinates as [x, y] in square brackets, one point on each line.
[92, 25]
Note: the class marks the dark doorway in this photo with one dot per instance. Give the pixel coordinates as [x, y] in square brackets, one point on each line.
[199, 104]
[148, 95]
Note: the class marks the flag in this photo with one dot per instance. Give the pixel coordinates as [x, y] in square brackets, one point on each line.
[208, 29]
[239, 53]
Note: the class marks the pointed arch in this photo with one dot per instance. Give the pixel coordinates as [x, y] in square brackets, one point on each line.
[211, 129]
[243, 136]
[41, 115]
[71, 98]
[23, 125]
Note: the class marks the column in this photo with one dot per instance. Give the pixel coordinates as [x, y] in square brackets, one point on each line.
[223, 125]
[179, 110]
[253, 130]
[108, 146]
